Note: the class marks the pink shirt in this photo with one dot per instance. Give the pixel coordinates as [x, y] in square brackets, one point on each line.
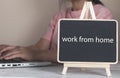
[51, 35]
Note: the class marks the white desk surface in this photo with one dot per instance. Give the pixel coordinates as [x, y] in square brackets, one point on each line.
[55, 72]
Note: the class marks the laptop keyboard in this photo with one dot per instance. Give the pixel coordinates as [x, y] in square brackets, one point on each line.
[12, 61]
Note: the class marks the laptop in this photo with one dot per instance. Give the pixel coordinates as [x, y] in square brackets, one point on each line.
[18, 62]
[22, 63]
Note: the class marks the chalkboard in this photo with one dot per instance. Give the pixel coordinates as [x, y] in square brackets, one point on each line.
[87, 40]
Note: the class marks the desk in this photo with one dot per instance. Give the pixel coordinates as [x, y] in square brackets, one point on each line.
[55, 72]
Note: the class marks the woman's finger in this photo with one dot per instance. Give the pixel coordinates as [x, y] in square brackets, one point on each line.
[7, 49]
[3, 46]
[10, 54]
[13, 56]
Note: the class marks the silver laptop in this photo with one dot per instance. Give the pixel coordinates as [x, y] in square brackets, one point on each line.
[21, 63]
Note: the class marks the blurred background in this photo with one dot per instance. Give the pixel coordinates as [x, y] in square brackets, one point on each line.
[22, 22]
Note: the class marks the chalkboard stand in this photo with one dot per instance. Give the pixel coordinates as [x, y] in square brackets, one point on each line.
[87, 9]
[87, 65]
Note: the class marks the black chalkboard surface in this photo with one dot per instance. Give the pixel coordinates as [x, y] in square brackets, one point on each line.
[87, 41]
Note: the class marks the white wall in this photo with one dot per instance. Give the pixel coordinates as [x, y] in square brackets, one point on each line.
[22, 22]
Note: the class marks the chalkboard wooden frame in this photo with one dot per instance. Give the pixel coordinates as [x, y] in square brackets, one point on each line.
[88, 62]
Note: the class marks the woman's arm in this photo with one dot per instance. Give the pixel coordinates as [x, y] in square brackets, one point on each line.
[42, 48]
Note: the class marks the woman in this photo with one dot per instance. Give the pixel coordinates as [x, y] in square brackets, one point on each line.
[46, 48]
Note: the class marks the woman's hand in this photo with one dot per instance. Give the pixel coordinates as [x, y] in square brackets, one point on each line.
[5, 48]
[11, 52]
[37, 52]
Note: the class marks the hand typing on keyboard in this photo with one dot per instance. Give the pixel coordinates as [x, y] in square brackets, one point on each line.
[12, 52]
